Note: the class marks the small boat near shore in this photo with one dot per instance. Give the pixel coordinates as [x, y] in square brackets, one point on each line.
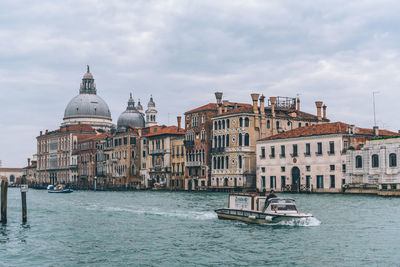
[252, 208]
[58, 189]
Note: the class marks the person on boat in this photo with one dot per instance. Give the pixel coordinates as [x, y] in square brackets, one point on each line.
[271, 195]
[263, 193]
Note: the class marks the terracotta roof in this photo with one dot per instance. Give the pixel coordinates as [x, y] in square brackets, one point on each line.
[209, 106]
[94, 137]
[11, 170]
[87, 128]
[326, 129]
[160, 130]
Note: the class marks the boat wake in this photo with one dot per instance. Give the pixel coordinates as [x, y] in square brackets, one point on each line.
[310, 221]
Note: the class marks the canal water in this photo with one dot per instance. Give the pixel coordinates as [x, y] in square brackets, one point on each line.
[181, 229]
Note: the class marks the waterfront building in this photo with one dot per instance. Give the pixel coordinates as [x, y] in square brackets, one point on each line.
[30, 171]
[310, 158]
[158, 161]
[375, 166]
[88, 107]
[55, 160]
[237, 128]
[198, 140]
[13, 175]
[178, 162]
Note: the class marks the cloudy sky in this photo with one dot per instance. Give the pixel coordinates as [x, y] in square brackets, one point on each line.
[183, 51]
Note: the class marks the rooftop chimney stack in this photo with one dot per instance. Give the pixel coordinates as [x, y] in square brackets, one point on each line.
[225, 103]
[47, 131]
[254, 97]
[262, 108]
[218, 96]
[324, 110]
[298, 104]
[179, 122]
[41, 133]
[272, 99]
[318, 104]
[376, 131]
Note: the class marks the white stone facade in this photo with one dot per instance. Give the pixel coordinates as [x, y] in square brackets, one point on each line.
[316, 166]
[376, 163]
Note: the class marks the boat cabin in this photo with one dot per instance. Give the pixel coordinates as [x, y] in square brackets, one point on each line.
[279, 205]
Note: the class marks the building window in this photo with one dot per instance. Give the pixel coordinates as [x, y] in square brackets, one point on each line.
[319, 148]
[308, 181]
[331, 148]
[344, 168]
[263, 181]
[240, 140]
[332, 181]
[392, 160]
[262, 152]
[308, 150]
[240, 122]
[227, 123]
[299, 124]
[277, 125]
[272, 152]
[375, 161]
[246, 122]
[320, 181]
[227, 140]
[227, 162]
[223, 124]
[272, 181]
[283, 182]
[358, 162]
[240, 162]
[294, 150]
[282, 151]
[214, 163]
[263, 169]
[332, 167]
[215, 125]
[246, 139]
[308, 168]
[268, 124]
[283, 168]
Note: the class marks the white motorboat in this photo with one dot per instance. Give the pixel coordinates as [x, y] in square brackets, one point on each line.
[252, 208]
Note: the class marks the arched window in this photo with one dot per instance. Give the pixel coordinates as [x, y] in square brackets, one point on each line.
[215, 142]
[215, 125]
[219, 163]
[223, 124]
[133, 169]
[240, 122]
[240, 140]
[219, 125]
[215, 163]
[227, 140]
[240, 162]
[358, 162]
[246, 139]
[392, 160]
[246, 122]
[227, 123]
[277, 124]
[268, 124]
[222, 163]
[219, 141]
[227, 162]
[223, 141]
[375, 161]
[299, 124]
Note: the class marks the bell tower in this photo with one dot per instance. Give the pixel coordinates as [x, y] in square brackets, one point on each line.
[151, 113]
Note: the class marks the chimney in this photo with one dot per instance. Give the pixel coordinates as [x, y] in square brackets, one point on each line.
[324, 110]
[298, 104]
[218, 96]
[225, 103]
[179, 122]
[262, 109]
[272, 99]
[254, 97]
[29, 162]
[41, 133]
[376, 131]
[318, 104]
[47, 131]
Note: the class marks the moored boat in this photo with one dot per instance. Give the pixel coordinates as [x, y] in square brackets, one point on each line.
[58, 189]
[253, 208]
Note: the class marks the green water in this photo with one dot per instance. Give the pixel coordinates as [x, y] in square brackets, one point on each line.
[181, 229]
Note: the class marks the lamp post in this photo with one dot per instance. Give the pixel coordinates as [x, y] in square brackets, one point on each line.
[95, 183]
[373, 99]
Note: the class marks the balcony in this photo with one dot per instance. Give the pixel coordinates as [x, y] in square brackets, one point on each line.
[218, 150]
[157, 151]
[193, 164]
[188, 143]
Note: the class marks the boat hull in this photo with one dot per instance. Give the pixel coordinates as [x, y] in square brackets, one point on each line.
[65, 191]
[255, 217]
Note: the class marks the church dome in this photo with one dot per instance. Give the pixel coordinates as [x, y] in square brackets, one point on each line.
[88, 107]
[131, 117]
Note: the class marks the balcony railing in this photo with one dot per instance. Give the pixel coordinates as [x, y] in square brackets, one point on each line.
[193, 163]
[157, 151]
[188, 143]
[218, 150]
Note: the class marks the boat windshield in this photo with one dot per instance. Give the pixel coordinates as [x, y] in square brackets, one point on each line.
[281, 201]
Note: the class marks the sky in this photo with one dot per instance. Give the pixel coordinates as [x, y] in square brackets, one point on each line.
[181, 52]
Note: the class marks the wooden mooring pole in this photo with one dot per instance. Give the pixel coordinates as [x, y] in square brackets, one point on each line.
[4, 190]
[24, 189]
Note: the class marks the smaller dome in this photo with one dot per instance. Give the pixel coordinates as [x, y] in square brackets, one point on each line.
[151, 102]
[88, 75]
[131, 117]
[139, 107]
